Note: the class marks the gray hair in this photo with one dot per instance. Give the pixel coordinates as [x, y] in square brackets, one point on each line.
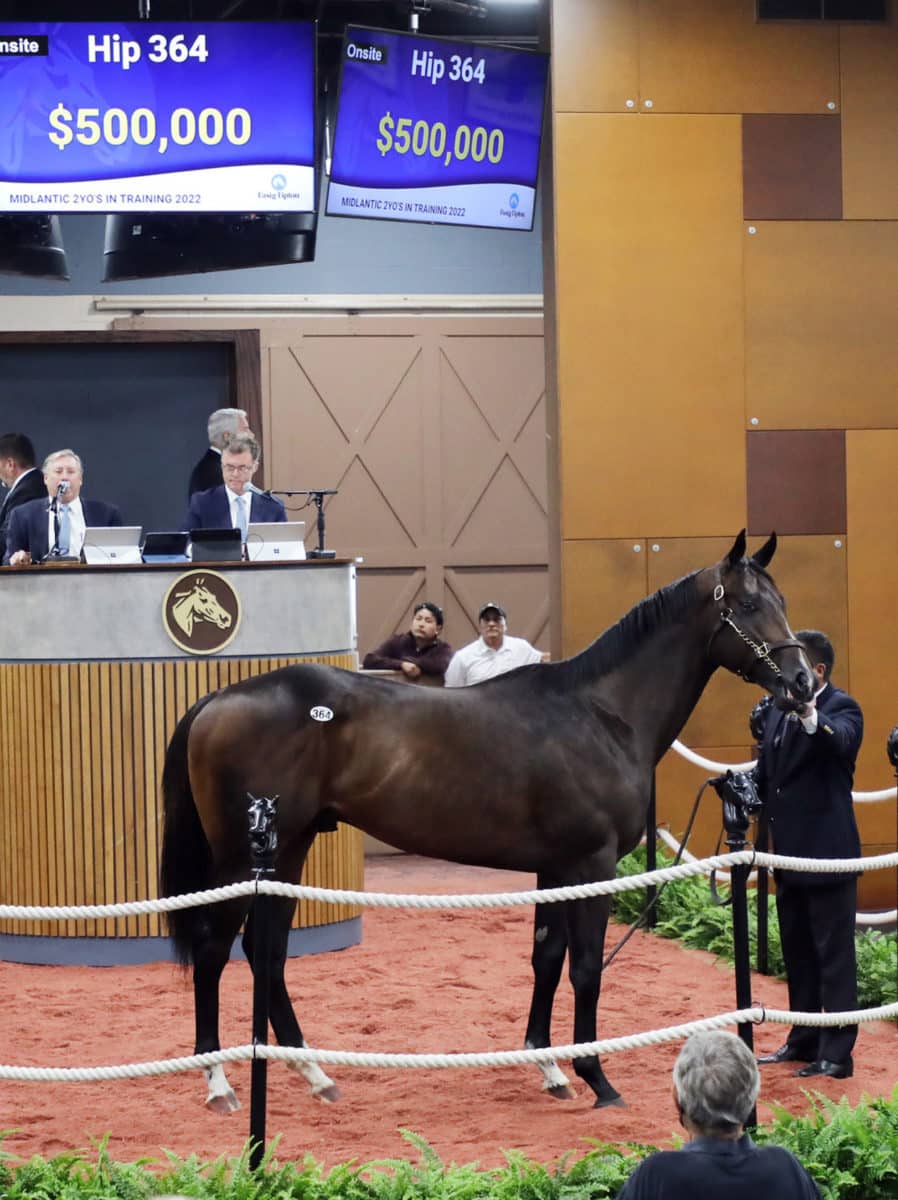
[51, 458]
[717, 1081]
[244, 441]
[224, 421]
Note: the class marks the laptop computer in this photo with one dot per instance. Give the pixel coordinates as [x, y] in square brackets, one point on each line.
[216, 545]
[165, 546]
[112, 545]
[275, 541]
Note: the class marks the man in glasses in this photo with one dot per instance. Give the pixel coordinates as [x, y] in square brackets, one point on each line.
[237, 501]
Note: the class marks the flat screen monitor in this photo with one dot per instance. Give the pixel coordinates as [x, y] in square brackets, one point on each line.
[438, 131]
[185, 116]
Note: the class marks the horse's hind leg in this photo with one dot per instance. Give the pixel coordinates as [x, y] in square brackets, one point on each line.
[549, 948]
[212, 940]
[586, 922]
[280, 1008]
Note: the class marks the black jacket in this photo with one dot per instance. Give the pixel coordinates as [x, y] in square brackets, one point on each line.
[806, 781]
[30, 487]
[206, 474]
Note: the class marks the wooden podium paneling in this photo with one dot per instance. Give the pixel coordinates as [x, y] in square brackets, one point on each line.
[83, 745]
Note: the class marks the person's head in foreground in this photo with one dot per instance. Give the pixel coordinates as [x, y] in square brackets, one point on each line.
[715, 1084]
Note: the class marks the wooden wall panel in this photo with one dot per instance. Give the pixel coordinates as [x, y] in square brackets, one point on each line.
[78, 827]
[872, 590]
[869, 67]
[821, 325]
[705, 56]
[594, 44]
[648, 277]
[796, 481]
[791, 167]
[601, 581]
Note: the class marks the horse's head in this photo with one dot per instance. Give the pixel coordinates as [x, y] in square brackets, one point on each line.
[750, 634]
[207, 608]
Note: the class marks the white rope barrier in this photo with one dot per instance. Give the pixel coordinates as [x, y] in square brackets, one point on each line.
[886, 917]
[721, 768]
[582, 891]
[497, 1058]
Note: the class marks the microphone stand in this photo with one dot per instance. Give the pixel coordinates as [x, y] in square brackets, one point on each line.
[316, 496]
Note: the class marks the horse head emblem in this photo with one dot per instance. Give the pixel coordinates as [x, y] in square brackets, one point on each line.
[198, 603]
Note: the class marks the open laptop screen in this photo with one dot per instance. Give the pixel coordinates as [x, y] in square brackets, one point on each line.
[275, 541]
[112, 545]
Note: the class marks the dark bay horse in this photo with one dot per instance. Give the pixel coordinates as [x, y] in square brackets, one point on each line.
[545, 769]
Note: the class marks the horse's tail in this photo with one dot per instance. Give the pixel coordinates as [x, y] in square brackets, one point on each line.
[186, 856]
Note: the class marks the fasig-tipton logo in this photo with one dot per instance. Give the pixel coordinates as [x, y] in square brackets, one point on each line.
[365, 52]
[201, 612]
[32, 45]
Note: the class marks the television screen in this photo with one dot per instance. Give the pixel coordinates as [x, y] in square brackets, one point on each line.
[151, 245]
[32, 245]
[157, 117]
[440, 131]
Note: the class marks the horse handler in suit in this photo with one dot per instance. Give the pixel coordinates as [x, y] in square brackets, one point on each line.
[21, 477]
[235, 502]
[33, 526]
[805, 774]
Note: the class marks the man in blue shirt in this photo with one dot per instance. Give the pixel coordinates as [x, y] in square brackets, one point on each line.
[716, 1084]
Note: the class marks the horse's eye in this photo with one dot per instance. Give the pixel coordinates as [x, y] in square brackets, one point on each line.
[749, 606]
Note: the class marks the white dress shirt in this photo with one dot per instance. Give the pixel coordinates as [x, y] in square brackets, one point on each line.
[234, 501]
[478, 661]
[77, 527]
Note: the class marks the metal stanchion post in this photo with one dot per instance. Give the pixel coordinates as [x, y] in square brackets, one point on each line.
[739, 799]
[263, 844]
[651, 859]
[756, 721]
[892, 751]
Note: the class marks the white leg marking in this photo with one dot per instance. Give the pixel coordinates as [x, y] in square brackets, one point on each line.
[221, 1097]
[322, 1085]
[553, 1076]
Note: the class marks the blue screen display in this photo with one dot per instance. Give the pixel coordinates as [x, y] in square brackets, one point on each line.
[157, 116]
[435, 130]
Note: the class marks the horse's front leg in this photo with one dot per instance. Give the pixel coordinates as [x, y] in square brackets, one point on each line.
[280, 1007]
[549, 949]
[213, 937]
[586, 922]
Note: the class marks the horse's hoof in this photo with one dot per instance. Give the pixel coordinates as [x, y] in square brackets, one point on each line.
[562, 1091]
[328, 1094]
[615, 1101]
[225, 1104]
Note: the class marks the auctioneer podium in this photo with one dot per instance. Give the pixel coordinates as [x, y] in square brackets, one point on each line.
[97, 665]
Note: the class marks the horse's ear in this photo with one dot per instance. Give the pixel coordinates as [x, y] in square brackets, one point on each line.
[767, 551]
[737, 552]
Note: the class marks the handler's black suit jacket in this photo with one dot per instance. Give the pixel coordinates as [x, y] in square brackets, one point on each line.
[806, 781]
[30, 487]
[29, 527]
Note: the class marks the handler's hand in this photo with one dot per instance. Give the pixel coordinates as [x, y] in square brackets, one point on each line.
[411, 670]
[21, 558]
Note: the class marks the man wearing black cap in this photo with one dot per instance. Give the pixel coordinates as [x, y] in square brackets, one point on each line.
[494, 652]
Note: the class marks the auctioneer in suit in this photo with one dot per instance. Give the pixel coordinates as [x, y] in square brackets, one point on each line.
[211, 510]
[29, 527]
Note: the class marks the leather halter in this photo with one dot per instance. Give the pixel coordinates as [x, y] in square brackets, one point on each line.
[761, 650]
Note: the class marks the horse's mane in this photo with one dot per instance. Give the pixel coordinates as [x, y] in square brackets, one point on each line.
[612, 648]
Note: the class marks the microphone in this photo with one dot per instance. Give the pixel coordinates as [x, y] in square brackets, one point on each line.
[61, 490]
[256, 491]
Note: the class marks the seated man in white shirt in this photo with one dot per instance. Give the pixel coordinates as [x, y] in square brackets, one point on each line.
[494, 652]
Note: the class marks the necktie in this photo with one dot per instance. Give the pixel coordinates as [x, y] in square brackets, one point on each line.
[65, 529]
[241, 517]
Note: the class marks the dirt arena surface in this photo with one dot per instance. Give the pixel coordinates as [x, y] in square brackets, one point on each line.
[421, 981]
